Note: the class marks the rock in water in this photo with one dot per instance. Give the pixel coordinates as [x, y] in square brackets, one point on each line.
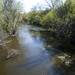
[62, 59]
[12, 53]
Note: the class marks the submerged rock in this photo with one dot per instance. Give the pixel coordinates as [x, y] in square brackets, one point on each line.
[6, 53]
[12, 53]
[63, 59]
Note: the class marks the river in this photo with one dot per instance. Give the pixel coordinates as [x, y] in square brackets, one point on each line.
[34, 57]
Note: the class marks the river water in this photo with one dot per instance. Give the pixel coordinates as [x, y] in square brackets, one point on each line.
[34, 57]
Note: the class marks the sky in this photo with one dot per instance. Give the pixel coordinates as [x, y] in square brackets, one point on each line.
[28, 4]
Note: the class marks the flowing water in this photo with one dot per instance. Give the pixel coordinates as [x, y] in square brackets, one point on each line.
[34, 58]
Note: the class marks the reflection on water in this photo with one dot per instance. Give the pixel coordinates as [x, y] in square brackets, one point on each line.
[32, 44]
[34, 59]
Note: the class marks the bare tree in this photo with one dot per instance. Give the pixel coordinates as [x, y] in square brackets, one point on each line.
[11, 15]
[54, 3]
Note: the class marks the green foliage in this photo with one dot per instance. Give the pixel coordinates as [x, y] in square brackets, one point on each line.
[1, 2]
[60, 20]
[34, 18]
[48, 19]
[10, 16]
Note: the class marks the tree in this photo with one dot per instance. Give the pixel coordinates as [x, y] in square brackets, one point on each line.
[53, 4]
[48, 20]
[34, 18]
[10, 16]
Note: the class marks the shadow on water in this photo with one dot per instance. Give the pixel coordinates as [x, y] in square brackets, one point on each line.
[33, 59]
